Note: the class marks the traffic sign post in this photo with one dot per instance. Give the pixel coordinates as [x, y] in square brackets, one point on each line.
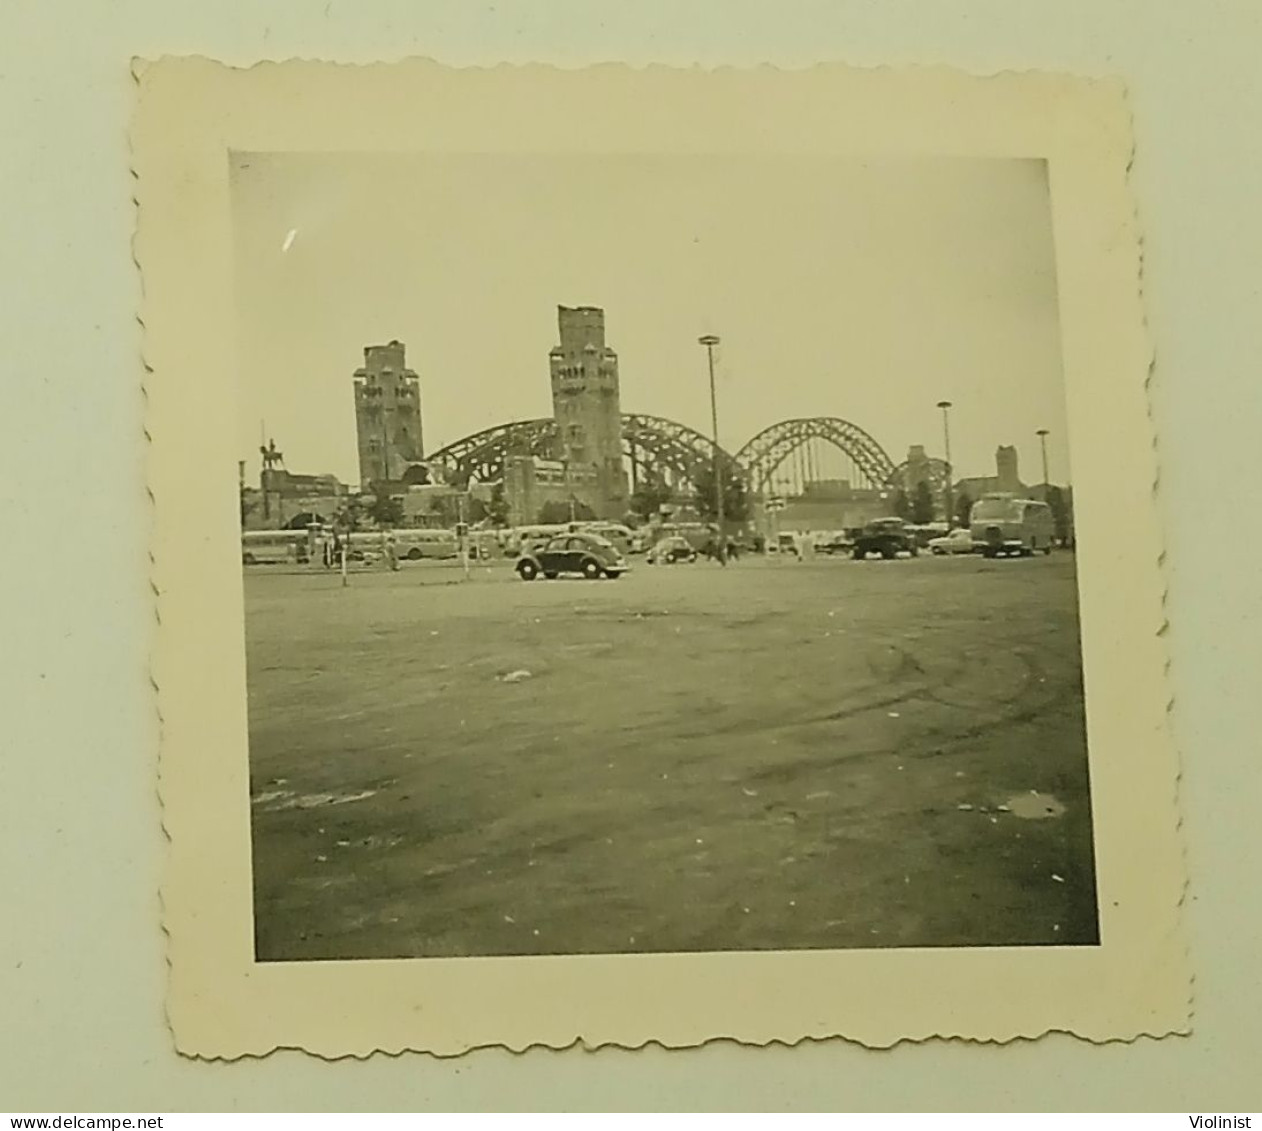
[774, 505]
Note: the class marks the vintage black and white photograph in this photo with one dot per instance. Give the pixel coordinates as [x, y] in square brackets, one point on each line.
[653, 556]
[656, 553]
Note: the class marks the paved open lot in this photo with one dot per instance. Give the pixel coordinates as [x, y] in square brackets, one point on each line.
[773, 755]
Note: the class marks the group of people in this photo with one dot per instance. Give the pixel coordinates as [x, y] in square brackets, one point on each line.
[332, 547]
[711, 551]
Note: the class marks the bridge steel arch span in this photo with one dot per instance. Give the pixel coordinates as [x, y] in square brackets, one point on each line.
[482, 455]
[656, 448]
[772, 446]
[661, 448]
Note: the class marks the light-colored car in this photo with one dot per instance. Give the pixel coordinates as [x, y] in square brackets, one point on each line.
[957, 542]
[671, 550]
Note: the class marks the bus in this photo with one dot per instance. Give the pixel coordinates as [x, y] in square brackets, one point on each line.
[415, 544]
[521, 538]
[411, 544]
[1007, 526]
[616, 532]
[274, 547]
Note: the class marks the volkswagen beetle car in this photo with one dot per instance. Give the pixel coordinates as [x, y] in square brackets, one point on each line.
[671, 550]
[586, 554]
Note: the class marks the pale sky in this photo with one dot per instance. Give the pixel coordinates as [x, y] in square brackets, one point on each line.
[867, 290]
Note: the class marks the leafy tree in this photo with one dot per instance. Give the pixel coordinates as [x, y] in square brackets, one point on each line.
[649, 497]
[351, 515]
[497, 508]
[556, 511]
[735, 497]
[247, 508]
[922, 507]
[1059, 505]
[902, 505]
[386, 511]
[963, 508]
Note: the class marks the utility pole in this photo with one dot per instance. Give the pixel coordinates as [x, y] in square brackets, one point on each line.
[710, 341]
[1042, 435]
[462, 534]
[945, 406]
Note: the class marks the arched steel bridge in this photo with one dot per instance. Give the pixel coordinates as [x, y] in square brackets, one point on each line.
[768, 451]
[657, 448]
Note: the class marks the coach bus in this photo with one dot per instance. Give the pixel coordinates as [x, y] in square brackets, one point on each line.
[274, 547]
[415, 544]
[521, 538]
[617, 533]
[1004, 525]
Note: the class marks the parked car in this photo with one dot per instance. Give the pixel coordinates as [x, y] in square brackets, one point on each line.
[786, 544]
[926, 532]
[586, 554]
[671, 550]
[836, 544]
[957, 542]
[888, 537]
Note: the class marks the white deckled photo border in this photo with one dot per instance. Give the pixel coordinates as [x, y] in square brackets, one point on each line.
[222, 1004]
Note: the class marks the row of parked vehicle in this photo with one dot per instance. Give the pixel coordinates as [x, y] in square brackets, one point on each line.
[1000, 526]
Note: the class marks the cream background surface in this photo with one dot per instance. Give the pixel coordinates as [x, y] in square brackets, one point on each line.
[82, 975]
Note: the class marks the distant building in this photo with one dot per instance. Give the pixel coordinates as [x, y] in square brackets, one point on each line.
[826, 505]
[1006, 480]
[1006, 466]
[827, 489]
[387, 415]
[919, 469]
[442, 506]
[284, 497]
[531, 483]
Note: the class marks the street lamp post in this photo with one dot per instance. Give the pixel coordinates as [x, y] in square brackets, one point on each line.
[1042, 435]
[710, 341]
[945, 406]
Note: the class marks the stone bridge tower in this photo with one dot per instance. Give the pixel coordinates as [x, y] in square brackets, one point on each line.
[1008, 478]
[586, 407]
[387, 415]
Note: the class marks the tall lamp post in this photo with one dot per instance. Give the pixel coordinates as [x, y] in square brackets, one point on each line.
[945, 406]
[1042, 435]
[710, 341]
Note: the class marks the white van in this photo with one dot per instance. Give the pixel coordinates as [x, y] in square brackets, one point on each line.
[1006, 526]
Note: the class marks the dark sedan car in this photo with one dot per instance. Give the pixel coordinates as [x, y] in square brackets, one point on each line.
[585, 554]
[671, 550]
[888, 537]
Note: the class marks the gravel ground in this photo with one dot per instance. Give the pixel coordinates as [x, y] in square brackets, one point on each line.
[775, 755]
